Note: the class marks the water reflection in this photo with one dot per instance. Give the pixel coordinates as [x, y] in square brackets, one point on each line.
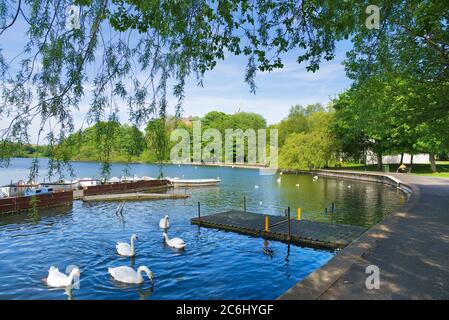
[287, 261]
[24, 217]
[267, 249]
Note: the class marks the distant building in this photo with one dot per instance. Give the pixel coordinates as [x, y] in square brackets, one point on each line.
[187, 121]
[422, 158]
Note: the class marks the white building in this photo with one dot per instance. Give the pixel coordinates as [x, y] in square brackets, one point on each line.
[422, 158]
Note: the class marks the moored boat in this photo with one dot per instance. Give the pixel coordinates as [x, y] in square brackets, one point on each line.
[62, 185]
[88, 182]
[16, 189]
[194, 182]
[37, 191]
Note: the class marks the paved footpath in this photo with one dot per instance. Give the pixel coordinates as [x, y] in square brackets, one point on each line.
[410, 247]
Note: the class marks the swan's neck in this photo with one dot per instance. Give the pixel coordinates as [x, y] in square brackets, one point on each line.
[71, 277]
[139, 274]
[166, 237]
[132, 245]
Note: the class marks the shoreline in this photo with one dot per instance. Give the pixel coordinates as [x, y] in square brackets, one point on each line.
[235, 165]
[399, 242]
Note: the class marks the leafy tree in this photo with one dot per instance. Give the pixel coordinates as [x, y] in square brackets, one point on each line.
[166, 40]
[170, 40]
[314, 148]
[405, 67]
[130, 141]
[157, 138]
[388, 115]
[362, 121]
[295, 122]
[216, 120]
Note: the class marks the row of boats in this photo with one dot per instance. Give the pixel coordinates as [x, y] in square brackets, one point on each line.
[22, 188]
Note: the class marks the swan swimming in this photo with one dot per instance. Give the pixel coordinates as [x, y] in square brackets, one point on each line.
[164, 223]
[297, 185]
[124, 249]
[256, 187]
[315, 178]
[127, 274]
[57, 279]
[176, 243]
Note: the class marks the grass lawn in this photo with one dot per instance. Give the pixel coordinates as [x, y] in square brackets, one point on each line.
[419, 169]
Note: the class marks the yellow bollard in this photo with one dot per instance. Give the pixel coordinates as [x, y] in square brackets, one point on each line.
[299, 213]
[266, 223]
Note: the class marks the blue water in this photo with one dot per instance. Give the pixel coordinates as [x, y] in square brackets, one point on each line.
[215, 265]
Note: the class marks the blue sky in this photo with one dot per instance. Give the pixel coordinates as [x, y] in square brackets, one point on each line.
[225, 89]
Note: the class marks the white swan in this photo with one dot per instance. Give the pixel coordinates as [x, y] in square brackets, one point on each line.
[58, 279]
[127, 274]
[297, 185]
[279, 180]
[256, 186]
[124, 249]
[176, 243]
[164, 223]
[315, 178]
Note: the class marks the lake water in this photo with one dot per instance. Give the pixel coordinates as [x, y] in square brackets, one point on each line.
[215, 265]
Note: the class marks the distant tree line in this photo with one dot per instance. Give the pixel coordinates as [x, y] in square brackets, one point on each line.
[310, 137]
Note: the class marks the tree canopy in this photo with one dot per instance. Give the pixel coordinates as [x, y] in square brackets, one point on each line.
[132, 52]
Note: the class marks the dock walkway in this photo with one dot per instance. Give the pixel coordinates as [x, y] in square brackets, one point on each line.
[409, 247]
[135, 196]
[302, 232]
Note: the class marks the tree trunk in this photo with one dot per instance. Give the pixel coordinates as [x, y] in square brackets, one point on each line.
[379, 161]
[433, 165]
[411, 163]
[402, 158]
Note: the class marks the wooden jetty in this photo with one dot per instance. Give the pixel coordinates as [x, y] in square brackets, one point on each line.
[123, 187]
[14, 204]
[302, 232]
[135, 196]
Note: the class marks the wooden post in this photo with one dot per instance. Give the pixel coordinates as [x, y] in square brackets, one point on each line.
[267, 224]
[199, 212]
[333, 207]
[244, 203]
[325, 210]
[289, 227]
[299, 213]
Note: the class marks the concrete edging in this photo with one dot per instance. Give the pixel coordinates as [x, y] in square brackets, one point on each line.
[318, 282]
